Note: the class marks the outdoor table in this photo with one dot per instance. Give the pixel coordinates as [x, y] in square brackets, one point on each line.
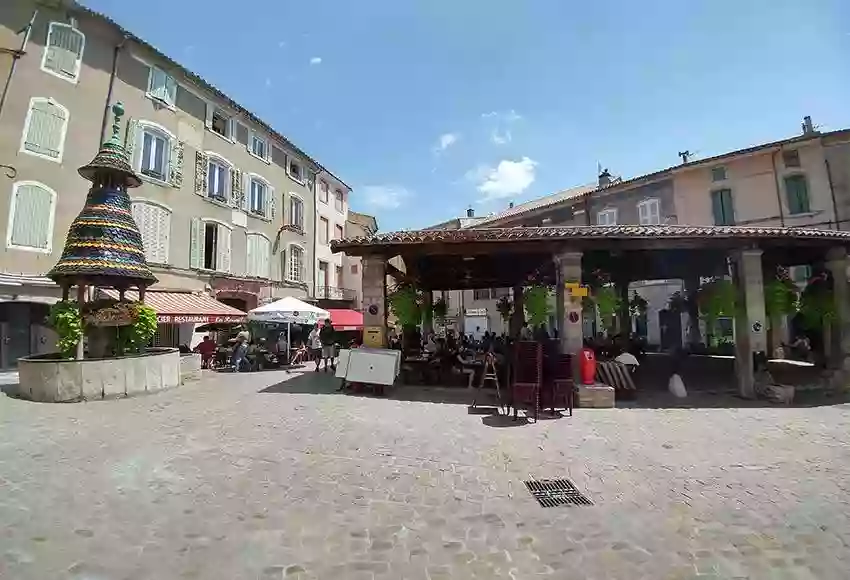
[415, 369]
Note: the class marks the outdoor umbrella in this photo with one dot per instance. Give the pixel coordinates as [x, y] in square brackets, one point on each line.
[290, 311]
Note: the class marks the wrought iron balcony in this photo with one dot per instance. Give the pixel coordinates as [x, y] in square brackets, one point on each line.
[334, 293]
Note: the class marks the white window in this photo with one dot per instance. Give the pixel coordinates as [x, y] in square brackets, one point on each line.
[154, 223]
[209, 245]
[45, 128]
[218, 180]
[649, 212]
[258, 196]
[154, 152]
[162, 86]
[63, 51]
[295, 171]
[323, 191]
[295, 265]
[259, 147]
[338, 200]
[296, 212]
[607, 217]
[259, 256]
[31, 213]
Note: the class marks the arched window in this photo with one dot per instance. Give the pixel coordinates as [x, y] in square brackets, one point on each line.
[154, 221]
[63, 51]
[258, 261]
[31, 214]
[219, 177]
[45, 128]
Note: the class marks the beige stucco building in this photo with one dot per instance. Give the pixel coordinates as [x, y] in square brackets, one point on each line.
[799, 181]
[227, 205]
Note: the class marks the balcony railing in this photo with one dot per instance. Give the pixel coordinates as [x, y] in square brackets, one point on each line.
[334, 293]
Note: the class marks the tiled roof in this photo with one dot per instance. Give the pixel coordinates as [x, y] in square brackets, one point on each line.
[624, 232]
[540, 203]
[205, 84]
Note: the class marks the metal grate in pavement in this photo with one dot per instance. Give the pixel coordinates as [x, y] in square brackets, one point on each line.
[556, 492]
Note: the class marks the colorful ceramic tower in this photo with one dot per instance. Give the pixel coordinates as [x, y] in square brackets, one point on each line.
[104, 246]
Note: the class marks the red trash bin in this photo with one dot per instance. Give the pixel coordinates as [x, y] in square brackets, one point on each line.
[587, 366]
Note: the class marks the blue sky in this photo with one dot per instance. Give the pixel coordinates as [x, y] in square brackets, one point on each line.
[426, 107]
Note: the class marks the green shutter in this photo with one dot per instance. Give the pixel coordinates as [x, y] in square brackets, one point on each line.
[721, 207]
[797, 193]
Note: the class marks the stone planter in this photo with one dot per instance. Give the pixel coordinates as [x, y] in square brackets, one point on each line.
[50, 379]
[190, 367]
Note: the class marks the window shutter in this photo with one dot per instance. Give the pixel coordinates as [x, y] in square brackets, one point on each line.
[271, 203]
[235, 184]
[246, 195]
[201, 168]
[175, 164]
[208, 118]
[163, 234]
[45, 129]
[64, 51]
[655, 212]
[31, 217]
[267, 262]
[251, 253]
[276, 267]
[223, 261]
[130, 138]
[643, 211]
[196, 244]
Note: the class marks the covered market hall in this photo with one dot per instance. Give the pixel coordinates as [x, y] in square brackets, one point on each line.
[561, 257]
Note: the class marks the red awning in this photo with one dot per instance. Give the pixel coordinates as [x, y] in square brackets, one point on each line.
[344, 319]
[184, 307]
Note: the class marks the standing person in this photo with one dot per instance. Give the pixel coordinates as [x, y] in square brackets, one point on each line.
[327, 337]
[315, 343]
[240, 350]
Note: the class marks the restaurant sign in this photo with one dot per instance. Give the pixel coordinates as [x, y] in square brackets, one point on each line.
[195, 318]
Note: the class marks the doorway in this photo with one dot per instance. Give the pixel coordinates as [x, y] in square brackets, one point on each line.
[670, 324]
[15, 338]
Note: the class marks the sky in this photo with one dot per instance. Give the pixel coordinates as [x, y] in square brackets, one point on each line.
[428, 107]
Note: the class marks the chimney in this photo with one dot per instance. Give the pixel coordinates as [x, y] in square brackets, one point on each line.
[470, 213]
[808, 127]
[511, 205]
[604, 178]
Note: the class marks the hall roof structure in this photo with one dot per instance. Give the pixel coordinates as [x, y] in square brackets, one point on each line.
[504, 257]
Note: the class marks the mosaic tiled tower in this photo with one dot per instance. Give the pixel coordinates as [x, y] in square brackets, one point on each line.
[104, 246]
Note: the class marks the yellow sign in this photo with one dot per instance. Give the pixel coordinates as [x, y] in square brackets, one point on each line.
[576, 290]
[373, 337]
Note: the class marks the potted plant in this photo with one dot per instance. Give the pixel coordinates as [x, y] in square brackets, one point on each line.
[536, 301]
[716, 298]
[505, 307]
[405, 302]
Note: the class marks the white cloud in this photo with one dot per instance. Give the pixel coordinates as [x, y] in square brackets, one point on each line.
[316, 60]
[501, 123]
[268, 81]
[508, 178]
[445, 141]
[385, 196]
[281, 44]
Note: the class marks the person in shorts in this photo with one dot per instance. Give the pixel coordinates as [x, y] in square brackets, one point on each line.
[327, 336]
[314, 343]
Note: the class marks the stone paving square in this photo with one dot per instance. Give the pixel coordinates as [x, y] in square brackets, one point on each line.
[275, 475]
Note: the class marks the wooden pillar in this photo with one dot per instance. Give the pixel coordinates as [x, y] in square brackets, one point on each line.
[428, 312]
[691, 289]
[518, 315]
[141, 294]
[81, 300]
[66, 290]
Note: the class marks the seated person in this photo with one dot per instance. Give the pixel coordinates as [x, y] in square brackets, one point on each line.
[431, 345]
[207, 349]
[464, 362]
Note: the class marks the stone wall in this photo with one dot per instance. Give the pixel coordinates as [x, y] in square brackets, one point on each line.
[61, 380]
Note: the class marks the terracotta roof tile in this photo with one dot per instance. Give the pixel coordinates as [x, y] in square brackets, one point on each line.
[588, 232]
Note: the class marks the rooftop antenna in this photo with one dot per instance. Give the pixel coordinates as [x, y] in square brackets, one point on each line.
[685, 155]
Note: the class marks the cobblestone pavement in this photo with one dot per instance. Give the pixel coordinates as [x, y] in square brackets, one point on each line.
[219, 480]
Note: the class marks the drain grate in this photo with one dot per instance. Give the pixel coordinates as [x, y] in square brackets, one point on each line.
[556, 492]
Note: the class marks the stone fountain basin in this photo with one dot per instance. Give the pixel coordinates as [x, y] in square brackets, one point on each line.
[49, 378]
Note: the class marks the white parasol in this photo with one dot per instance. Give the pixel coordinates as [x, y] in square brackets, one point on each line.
[289, 311]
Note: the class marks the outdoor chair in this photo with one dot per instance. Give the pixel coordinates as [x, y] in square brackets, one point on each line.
[563, 384]
[489, 374]
[527, 376]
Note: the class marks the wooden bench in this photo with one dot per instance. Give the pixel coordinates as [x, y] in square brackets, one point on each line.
[615, 374]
